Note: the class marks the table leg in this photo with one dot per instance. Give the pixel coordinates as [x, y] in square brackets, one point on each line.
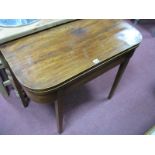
[19, 90]
[9, 76]
[3, 88]
[3, 77]
[118, 77]
[59, 111]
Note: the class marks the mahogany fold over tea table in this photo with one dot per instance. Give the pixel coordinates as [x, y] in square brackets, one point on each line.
[50, 63]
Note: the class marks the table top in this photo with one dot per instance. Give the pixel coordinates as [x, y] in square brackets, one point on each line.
[47, 59]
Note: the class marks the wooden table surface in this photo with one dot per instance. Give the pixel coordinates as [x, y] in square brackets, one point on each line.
[50, 63]
[46, 60]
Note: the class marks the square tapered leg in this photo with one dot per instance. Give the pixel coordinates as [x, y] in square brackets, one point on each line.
[59, 111]
[118, 77]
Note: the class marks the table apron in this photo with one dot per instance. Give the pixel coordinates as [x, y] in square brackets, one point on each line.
[51, 95]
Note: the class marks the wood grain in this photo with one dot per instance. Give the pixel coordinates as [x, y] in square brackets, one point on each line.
[50, 63]
[47, 59]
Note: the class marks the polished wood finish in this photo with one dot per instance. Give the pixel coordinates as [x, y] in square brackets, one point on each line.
[59, 110]
[18, 88]
[54, 61]
[50, 58]
[9, 79]
[120, 72]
